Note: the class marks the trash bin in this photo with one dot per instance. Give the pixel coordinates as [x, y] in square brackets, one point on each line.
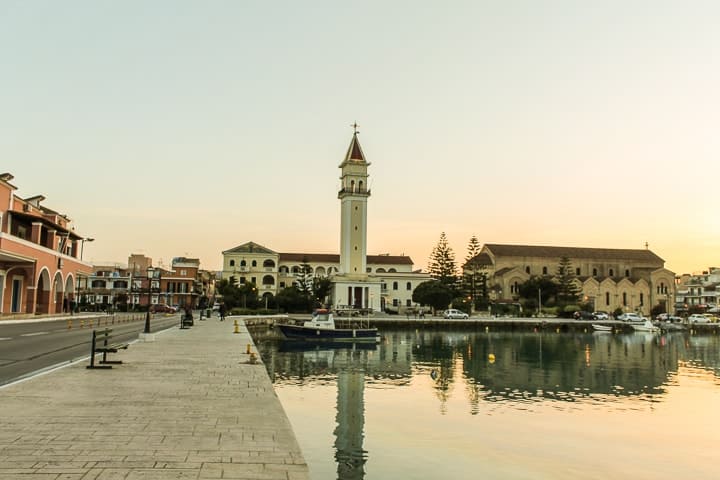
[208, 312]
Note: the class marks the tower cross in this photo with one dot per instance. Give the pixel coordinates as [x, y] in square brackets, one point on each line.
[355, 128]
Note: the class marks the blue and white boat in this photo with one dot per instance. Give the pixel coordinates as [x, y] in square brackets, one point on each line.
[322, 327]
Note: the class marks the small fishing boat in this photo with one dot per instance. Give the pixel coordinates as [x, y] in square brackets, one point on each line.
[646, 326]
[321, 327]
[601, 328]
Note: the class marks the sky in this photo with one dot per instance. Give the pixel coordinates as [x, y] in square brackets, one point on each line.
[186, 128]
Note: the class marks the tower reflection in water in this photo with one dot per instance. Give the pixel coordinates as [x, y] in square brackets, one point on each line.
[346, 364]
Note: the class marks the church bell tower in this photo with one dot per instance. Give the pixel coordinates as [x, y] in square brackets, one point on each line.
[353, 195]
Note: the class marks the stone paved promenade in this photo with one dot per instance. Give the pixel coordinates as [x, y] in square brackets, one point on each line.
[185, 406]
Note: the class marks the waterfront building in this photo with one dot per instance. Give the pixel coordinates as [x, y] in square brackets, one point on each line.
[359, 280]
[40, 255]
[699, 292]
[140, 284]
[630, 279]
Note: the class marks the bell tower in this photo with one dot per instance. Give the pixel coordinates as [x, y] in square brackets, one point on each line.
[353, 286]
[353, 195]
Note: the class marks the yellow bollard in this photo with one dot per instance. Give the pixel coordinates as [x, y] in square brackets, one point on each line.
[69, 324]
[82, 323]
[237, 327]
[247, 350]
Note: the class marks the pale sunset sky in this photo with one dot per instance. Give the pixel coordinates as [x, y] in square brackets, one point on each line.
[185, 128]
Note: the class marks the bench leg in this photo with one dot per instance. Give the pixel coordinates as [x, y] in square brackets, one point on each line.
[92, 363]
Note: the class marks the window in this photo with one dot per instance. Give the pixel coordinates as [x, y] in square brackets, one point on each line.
[392, 270]
[395, 285]
[183, 273]
[612, 272]
[368, 270]
[380, 270]
[642, 298]
[594, 272]
[408, 286]
[254, 263]
[282, 284]
[624, 299]
[408, 302]
[253, 280]
[268, 263]
[627, 273]
[395, 302]
[607, 298]
[527, 270]
[242, 280]
[544, 270]
[268, 280]
[232, 263]
[243, 263]
[577, 271]
[383, 286]
[98, 284]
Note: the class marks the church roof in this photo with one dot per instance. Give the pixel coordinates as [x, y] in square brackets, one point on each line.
[643, 255]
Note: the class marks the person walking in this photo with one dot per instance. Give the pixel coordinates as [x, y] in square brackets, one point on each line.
[222, 312]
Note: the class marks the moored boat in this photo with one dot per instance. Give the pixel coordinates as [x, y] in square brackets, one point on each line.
[646, 326]
[321, 327]
[601, 328]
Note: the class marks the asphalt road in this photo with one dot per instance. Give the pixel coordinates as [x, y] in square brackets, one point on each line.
[28, 348]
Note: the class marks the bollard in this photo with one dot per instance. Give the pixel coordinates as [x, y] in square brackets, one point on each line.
[69, 324]
[82, 323]
[237, 327]
[253, 358]
[247, 350]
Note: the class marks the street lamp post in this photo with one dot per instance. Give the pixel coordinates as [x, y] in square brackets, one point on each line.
[150, 272]
[82, 245]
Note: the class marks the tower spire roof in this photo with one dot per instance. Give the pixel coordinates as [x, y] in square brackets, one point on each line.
[354, 153]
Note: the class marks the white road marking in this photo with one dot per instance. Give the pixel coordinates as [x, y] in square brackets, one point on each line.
[33, 334]
[5, 338]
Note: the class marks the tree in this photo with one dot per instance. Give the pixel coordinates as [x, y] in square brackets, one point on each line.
[568, 292]
[321, 289]
[304, 280]
[536, 286]
[442, 264]
[291, 300]
[474, 276]
[433, 293]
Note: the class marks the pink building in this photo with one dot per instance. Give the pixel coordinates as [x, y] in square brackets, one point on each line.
[40, 255]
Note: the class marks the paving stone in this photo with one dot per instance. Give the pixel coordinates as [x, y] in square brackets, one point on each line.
[184, 406]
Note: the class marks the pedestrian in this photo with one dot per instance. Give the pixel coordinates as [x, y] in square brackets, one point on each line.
[222, 312]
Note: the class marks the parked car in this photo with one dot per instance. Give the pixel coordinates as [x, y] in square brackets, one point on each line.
[583, 315]
[454, 313]
[698, 318]
[162, 308]
[631, 317]
[601, 316]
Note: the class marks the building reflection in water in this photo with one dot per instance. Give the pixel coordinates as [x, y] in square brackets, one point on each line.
[492, 367]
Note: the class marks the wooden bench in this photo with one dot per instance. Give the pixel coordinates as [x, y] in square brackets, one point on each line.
[101, 344]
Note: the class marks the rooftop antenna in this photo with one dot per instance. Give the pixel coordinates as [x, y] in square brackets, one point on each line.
[647, 246]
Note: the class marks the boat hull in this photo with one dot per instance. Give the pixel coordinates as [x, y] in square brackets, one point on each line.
[296, 332]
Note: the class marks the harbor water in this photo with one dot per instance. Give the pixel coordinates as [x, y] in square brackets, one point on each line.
[462, 404]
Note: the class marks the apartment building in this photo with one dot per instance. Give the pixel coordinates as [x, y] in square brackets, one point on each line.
[40, 255]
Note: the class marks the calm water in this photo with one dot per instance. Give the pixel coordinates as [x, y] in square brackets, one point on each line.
[461, 405]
